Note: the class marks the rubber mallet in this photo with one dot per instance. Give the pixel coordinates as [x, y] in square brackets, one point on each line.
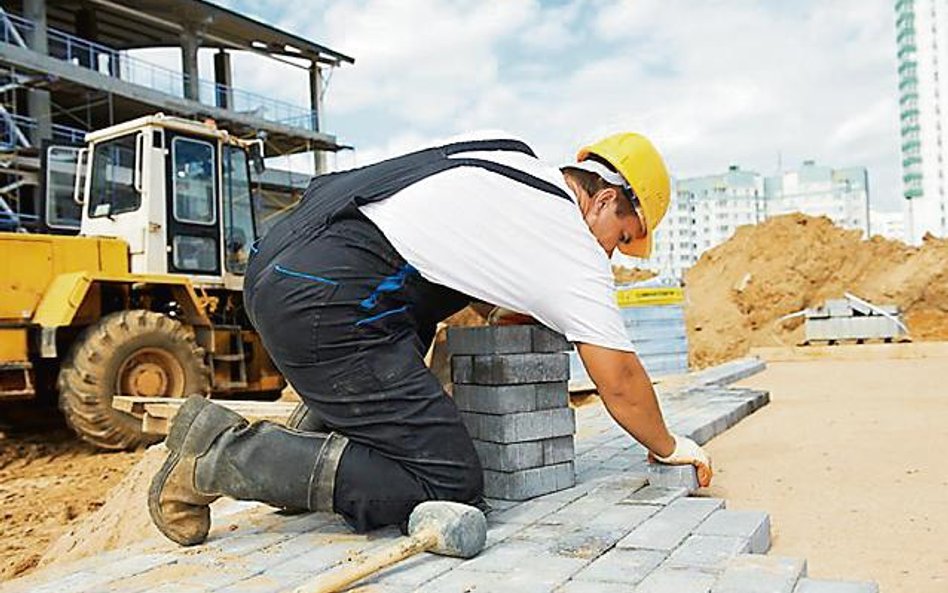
[441, 527]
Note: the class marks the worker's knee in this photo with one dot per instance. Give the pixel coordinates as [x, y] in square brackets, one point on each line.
[465, 483]
[472, 485]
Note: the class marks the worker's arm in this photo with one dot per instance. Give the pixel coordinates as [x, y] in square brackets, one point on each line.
[626, 390]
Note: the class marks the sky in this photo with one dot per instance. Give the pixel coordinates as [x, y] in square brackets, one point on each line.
[713, 83]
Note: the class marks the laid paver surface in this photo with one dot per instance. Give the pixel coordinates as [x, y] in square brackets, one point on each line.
[610, 532]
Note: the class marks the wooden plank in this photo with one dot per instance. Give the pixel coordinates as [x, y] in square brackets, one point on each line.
[156, 412]
[152, 425]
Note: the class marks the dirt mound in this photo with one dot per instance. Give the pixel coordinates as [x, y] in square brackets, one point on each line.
[624, 275]
[47, 483]
[121, 521]
[739, 289]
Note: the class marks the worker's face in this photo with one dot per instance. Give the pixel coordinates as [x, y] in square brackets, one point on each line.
[612, 220]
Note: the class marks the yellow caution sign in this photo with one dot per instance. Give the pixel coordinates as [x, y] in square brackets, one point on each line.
[646, 297]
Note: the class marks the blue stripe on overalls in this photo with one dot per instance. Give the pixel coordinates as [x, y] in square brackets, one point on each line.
[389, 284]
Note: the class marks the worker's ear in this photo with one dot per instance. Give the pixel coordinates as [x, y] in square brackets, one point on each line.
[604, 197]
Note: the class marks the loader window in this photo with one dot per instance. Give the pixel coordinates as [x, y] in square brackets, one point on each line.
[195, 254]
[62, 211]
[113, 178]
[238, 216]
[193, 177]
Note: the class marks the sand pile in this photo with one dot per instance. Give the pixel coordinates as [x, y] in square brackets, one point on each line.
[737, 290]
[121, 521]
[624, 275]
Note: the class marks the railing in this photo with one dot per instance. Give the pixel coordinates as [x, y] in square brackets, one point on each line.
[118, 64]
[13, 125]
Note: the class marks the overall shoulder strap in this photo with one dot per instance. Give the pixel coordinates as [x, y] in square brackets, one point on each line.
[505, 170]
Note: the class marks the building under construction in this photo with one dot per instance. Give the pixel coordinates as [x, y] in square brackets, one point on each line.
[70, 66]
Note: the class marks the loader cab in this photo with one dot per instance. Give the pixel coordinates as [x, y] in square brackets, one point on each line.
[178, 192]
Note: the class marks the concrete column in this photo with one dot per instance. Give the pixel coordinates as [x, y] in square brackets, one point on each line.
[35, 10]
[189, 64]
[87, 27]
[223, 76]
[316, 85]
[37, 101]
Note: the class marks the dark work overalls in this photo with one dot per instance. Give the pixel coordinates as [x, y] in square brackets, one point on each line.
[348, 321]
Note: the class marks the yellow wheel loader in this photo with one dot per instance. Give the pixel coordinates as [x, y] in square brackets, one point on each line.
[146, 301]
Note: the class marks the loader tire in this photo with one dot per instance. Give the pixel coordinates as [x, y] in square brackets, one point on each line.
[139, 353]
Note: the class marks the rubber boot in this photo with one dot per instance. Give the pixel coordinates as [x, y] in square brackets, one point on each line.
[302, 418]
[176, 507]
[215, 452]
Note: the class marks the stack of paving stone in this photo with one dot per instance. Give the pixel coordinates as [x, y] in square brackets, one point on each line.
[510, 384]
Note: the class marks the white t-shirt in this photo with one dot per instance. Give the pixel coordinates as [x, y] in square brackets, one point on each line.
[506, 243]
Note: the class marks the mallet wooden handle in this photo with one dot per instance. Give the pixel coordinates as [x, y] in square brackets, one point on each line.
[340, 578]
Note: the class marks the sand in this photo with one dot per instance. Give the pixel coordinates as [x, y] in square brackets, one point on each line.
[123, 519]
[849, 460]
[737, 291]
[49, 482]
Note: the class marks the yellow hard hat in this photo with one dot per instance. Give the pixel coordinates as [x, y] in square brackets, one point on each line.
[639, 163]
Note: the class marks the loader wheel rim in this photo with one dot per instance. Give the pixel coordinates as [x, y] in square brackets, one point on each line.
[151, 372]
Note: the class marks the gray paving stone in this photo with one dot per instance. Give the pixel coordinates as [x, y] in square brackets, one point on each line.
[673, 476]
[571, 540]
[499, 532]
[710, 552]
[414, 572]
[528, 483]
[670, 526]
[525, 557]
[621, 566]
[752, 525]
[509, 457]
[677, 580]
[617, 487]
[79, 581]
[568, 495]
[753, 573]
[176, 588]
[558, 449]
[507, 399]
[659, 495]
[510, 369]
[507, 339]
[593, 511]
[310, 552]
[467, 581]
[575, 586]
[821, 586]
[518, 428]
[527, 512]
[264, 583]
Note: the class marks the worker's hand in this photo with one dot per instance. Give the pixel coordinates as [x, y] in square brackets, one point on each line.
[687, 452]
[502, 316]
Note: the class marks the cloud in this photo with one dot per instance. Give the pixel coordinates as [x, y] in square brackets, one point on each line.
[713, 83]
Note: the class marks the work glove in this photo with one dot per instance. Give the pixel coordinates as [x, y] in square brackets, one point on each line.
[687, 452]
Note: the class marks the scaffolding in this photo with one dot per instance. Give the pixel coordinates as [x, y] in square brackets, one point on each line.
[67, 67]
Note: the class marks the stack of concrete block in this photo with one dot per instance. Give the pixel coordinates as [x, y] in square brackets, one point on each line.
[510, 384]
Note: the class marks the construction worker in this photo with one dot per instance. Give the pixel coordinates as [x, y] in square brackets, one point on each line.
[346, 291]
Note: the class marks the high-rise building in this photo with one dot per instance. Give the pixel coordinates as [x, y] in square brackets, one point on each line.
[705, 211]
[890, 225]
[922, 39]
[840, 194]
